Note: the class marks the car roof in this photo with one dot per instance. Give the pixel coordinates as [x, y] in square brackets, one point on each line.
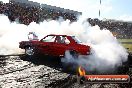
[56, 35]
[70, 36]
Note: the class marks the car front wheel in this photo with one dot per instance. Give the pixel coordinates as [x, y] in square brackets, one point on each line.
[29, 51]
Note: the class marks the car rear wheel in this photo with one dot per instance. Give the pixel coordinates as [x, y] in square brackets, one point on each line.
[29, 51]
[70, 65]
[74, 54]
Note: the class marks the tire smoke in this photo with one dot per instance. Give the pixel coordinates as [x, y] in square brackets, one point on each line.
[106, 51]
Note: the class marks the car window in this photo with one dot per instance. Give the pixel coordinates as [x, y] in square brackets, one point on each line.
[76, 39]
[58, 39]
[67, 41]
[62, 39]
[49, 39]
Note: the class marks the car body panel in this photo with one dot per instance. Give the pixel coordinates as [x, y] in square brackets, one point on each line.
[50, 45]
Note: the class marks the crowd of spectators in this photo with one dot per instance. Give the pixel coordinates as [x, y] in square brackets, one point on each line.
[26, 14]
[121, 28]
[54, 14]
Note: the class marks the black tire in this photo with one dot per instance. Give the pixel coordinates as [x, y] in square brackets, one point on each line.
[70, 66]
[29, 51]
[74, 54]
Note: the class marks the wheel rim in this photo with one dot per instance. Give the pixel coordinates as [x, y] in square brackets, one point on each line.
[74, 54]
[29, 51]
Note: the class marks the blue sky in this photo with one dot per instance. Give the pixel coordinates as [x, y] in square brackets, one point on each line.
[122, 6]
[120, 9]
[110, 9]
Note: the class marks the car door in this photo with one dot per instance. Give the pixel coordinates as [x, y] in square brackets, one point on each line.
[60, 46]
[46, 44]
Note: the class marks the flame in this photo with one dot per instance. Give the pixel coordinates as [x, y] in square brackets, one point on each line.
[81, 71]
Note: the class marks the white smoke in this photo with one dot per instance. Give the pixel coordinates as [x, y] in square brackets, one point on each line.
[106, 51]
[5, 1]
[12, 33]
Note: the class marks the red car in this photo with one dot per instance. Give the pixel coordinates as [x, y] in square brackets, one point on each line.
[55, 45]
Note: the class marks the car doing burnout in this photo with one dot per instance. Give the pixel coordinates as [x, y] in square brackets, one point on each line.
[55, 45]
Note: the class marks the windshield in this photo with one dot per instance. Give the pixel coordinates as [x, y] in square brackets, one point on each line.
[49, 39]
[76, 39]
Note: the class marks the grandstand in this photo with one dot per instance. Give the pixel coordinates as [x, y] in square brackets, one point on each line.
[47, 11]
[27, 11]
[123, 30]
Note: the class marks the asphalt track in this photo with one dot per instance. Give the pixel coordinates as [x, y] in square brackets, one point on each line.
[45, 72]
